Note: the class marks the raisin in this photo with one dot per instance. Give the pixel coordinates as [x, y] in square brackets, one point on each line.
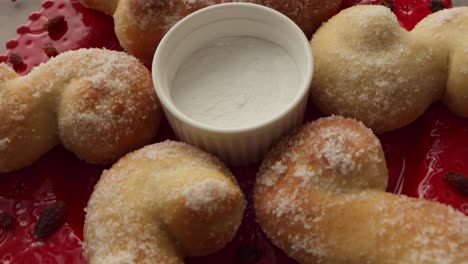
[50, 50]
[437, 5]
[50, 220]
[6, 220]
[15, 60]
[247, 254]
[458, 181]
[56, 27]
[54, 23]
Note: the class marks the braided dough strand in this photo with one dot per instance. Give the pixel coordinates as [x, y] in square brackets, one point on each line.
[99, 104]
[160, 204]
[320, 196]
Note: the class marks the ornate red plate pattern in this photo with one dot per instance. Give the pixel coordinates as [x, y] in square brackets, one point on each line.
[418, 156]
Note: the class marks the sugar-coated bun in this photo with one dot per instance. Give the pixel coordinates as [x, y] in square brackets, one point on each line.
[140, 25]
[447, 31]
[160, 204]
[320, 196]
[99, 104]
[307, 14]
[369, 68]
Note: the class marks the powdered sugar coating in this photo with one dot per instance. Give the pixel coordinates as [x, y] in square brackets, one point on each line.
[83, 98]
[206, 192]
[330, 205]
[177, 199]
[447, 33]
[367, 67]
[307, 14]
[446, 17]
[141, 24]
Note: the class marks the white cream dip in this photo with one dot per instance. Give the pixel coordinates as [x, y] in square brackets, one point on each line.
[236, 82]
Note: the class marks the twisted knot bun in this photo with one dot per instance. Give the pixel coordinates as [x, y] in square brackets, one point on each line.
[140, 25]
[320, 196]
[99, 104]
[369, 68]
[160, 204]
[447, 31]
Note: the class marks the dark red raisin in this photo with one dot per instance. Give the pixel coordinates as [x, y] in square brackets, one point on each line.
[15, 60]
[50, 50]
[458, 181]
[53, 23]
[437, 5]
[50, 220]
[56, 27]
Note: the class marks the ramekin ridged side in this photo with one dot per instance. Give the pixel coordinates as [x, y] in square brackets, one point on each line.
[235, 149]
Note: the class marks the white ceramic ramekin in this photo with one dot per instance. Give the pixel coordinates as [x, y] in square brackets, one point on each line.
[244, 145]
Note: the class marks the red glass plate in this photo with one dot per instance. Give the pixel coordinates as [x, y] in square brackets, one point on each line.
[418, 156]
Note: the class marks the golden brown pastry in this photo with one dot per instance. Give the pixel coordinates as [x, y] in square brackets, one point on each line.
[99, 104]
[160, 204]
[369, 68]
[447, 33]
[320, 196]
[140, 25]
[307, 14]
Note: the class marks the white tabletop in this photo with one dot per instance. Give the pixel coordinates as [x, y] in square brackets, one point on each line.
[13, 14]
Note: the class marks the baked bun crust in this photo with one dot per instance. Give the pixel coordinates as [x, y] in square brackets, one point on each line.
[308, 15]
[320, 196]
[99, 104]
[447, 31]
[160, 204]
[140, 25]
[369, 68]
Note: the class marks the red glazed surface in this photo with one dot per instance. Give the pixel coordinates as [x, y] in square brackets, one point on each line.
[418, 156]
[83, 28]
